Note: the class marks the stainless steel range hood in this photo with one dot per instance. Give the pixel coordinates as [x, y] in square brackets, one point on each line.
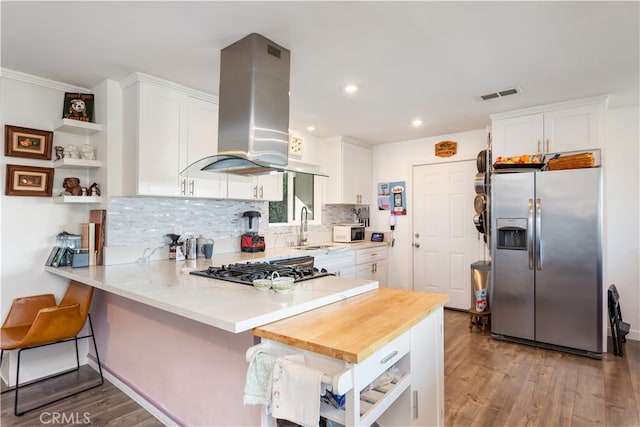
[253, 120]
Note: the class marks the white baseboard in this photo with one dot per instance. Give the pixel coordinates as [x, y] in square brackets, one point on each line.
[134, 395]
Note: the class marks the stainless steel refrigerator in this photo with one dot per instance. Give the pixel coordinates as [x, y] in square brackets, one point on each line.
[547, 259]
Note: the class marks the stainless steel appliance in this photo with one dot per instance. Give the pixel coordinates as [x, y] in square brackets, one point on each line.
[300, 268]
[253, 131]
[348, 233]
[546, 259]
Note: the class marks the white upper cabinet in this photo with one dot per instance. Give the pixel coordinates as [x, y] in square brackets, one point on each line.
[260, 187]
[161, 134]
[348, 165]
[165, 129]
[202, 141]
[556, 128]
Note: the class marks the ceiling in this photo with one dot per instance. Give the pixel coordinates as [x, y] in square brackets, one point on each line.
[428, 60]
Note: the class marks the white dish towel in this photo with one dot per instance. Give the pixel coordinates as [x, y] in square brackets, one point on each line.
[257, 386]
[295, 392]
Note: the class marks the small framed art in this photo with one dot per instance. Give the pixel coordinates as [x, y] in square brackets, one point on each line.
[29, 143]
[28, 181]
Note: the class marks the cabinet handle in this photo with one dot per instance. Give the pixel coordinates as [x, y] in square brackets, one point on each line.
[255, 192]
[183, 186]
[538, 147]
[547, 145]
[372, 268]
[338, 273]
[415, 404]
[389, 356]
[192, 186]
[261, 192]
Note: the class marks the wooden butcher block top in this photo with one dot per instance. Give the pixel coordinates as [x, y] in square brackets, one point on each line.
[354, 328]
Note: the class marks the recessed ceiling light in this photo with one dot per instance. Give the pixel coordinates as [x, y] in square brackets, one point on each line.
[416, 123]
[351, 88]
[311, 128]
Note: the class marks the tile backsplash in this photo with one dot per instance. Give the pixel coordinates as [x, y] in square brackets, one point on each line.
[146, 220]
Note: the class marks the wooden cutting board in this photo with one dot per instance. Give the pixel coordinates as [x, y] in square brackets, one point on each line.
[353, 329]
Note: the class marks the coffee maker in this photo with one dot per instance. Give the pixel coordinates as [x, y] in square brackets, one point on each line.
[251, 241]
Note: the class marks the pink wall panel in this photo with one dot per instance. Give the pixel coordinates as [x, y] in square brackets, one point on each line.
[193, 372]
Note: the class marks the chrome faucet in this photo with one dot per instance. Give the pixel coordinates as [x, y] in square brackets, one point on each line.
[303, 226]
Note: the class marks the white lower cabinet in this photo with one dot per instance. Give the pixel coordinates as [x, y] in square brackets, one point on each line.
[416, 398]
[341, 264]
[371, 263]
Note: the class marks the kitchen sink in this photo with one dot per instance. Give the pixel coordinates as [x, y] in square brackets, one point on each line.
[313, 247]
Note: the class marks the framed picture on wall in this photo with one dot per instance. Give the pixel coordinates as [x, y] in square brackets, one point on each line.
[78, 106]
[29, 143]
[28, 181]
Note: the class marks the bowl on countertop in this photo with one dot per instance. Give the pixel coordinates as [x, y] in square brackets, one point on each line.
[262, 284]
[281, 284]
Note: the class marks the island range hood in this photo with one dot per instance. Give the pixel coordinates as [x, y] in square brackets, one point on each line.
[253, 120]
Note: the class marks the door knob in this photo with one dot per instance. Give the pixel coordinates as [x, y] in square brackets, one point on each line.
[417, 245]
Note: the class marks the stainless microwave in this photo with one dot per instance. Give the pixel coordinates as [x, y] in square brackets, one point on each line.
[348, 233]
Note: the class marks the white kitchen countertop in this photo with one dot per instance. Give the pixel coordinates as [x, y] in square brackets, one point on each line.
[233, 307]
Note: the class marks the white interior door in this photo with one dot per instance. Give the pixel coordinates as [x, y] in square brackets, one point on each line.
[445, 239]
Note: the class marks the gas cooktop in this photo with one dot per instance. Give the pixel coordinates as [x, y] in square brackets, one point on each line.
[246, 273]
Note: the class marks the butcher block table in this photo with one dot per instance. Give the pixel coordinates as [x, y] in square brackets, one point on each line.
[356, 340]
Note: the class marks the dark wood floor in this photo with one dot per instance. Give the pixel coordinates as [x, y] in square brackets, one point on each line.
[102, 406]
[487, 383]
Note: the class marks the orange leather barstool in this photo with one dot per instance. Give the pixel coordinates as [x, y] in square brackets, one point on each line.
[37, 321]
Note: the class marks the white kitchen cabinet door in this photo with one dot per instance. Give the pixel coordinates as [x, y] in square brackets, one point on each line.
[373, 271]
[573, 129]
[380, 272]
[161, 127]
[202, 141]
[165, 128]
[341, 264]
[261, 187]
[549, 129]
[240, 187]
[427, 371]
[357, 174]
[270, 187]
[518, 135]
[371, 264]
[348, 166]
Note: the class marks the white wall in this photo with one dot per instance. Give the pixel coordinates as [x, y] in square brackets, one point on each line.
[30, 224]
[622, 211]
[394, 162]
[621, 226]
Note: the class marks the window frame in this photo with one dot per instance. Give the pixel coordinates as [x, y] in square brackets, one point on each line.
[292, 217]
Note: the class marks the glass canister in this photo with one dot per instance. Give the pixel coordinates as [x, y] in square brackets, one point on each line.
[71, 241]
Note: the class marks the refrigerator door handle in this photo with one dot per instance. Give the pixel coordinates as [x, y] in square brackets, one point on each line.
[538, 229]
[530, 235]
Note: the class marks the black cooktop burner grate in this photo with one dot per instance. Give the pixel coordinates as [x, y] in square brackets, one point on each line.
[246, 273]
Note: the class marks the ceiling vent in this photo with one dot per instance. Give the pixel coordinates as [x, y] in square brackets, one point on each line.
[500, 93]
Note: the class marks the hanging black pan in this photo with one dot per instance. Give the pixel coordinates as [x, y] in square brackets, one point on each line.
[478, 221]
[481, 161]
